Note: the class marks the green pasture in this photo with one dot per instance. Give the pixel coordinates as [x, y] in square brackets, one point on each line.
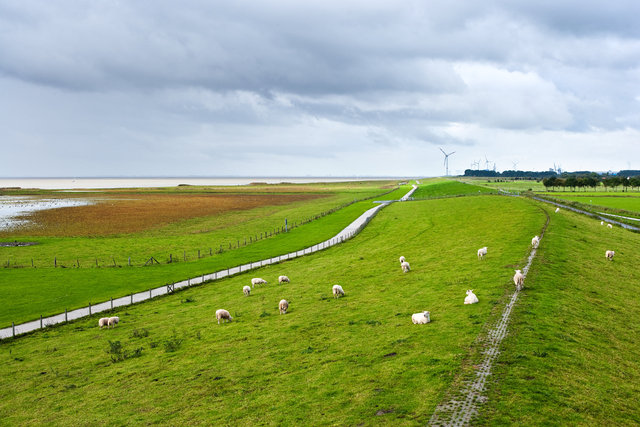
[571, 355]
[357, 360]
[448, 188]
[626, 202]
[506, 184]
[26, 293]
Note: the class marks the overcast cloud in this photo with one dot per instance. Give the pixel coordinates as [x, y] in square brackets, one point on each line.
[331, 88]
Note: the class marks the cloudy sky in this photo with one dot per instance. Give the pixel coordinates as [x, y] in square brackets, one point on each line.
[326, 88]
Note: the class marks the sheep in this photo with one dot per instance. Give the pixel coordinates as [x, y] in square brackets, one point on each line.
[283, 306]
[482, 252]
[223, 315]
[557, 210]
[471, 298]
[246, 290]
[609, 255]
[338, 291]
[609, 225]
[257, 281]
[405, 266]
[113, 321]
[401, 259]
[104, 321]
[601, 222]
[421, 318]
[535, 241]
[518, 279]
[283, 279]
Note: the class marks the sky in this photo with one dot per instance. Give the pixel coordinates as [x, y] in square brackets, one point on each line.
[317, 88]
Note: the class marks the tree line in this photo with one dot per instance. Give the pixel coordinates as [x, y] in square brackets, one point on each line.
[591, 181]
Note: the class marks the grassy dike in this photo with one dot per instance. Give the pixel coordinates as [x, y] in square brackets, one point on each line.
[26, 293]
[326, 362]
[571, 356]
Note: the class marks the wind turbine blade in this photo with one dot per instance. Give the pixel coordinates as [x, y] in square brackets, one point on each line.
[442, 151]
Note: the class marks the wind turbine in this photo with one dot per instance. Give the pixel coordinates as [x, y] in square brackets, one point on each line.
[515, 165]
[446, 160]
[486, 164]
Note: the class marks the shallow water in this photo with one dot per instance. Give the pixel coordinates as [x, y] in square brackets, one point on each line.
[12, 207]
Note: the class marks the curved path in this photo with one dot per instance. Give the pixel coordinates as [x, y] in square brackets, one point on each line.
[348, 232]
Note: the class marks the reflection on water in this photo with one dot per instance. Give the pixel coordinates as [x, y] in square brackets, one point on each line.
[15, 206]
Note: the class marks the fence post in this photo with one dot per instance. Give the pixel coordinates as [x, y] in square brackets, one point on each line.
[41, 321]
[65, 315]
[31, 262]
[150, 293]
[13, 328]
[89, 309]
[129, 261]
[209, 251]
[111, 303]
[55, 262]
[184, 255]
[131, 298]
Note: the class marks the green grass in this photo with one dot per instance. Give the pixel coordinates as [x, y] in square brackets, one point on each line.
[626, 202]
[327, 362]
[447, 189]
[506, 184]
[571, 356]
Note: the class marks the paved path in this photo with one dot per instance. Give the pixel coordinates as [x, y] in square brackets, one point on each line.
[462, 403]
[351, 230]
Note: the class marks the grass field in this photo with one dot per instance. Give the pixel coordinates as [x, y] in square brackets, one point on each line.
[571, 357]
[628, 202]
[330, 362]
[26, 293]
[447, 189]
[505, 184]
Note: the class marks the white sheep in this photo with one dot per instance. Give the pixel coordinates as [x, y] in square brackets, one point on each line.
[518, 279]
[609, 255]
[223, 315]
[257, 281]
[246, 290]
[104, 321]
[609, 225]
[113, 321]
[482, 252]
[283, 279]
[471, 298]
[601, 222]
[338, 291]
[401, 259]
[421, 318]
[283, 306]
[535, 241]
[405, 266]
[557, 210]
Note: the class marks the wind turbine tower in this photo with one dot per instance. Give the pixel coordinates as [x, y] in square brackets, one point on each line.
[446, 161]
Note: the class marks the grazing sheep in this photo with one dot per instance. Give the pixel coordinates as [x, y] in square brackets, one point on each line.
[609, 225]
[518, 279]
[609, 255]
[471, 298]
[535, 241]
[104, 321]
[601, 222]
[113, 321]
[338, 291]
[283, 279]
[482, 252]
[405, 266]
[402, 259]
[257, 281]
[421, 318]
[246, 290]
[283, 306]
[557, 210]
[223, 314]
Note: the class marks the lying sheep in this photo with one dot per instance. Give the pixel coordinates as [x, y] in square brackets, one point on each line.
[535, 241]
[518, 279]
[113, 321]
[338, 291]
[609, 225]
[482, 252]
[609, 255]
[246, 290]
[283, 306]
[223, 314]
[557, 210]
[283, 279]
[257, 281]
[405, 266]
[401, 259]
[421, 318]
[471, 298]
[104, 321]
